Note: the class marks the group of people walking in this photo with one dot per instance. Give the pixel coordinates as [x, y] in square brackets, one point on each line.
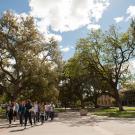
[26, 110]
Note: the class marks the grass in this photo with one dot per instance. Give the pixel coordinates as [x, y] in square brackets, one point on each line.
[2, 113]
[57, 110]
[129, 112]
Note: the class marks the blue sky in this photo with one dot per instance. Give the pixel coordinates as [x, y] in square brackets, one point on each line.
[69, 20]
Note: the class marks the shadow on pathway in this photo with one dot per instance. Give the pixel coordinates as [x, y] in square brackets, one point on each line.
[74, 119]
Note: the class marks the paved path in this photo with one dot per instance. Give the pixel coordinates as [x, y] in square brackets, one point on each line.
[72, 124]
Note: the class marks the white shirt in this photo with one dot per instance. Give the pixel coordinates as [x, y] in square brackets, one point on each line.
[52, 107]
[47, 107]
[36, 108]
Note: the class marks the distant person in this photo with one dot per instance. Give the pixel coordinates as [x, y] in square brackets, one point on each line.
[36, 111]
[47, 110]
[52, 107]
[33, 116]
[15, 110]
[42, 113]
[21, 112]
[27, 115]
[10, 112]
[6, 109]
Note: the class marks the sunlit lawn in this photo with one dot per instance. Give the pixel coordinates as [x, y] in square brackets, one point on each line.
[114, 112]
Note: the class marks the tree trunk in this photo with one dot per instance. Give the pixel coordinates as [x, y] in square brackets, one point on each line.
[95, 101]
[118, 100]
[16, 92]
[96, 104]
[82, 104]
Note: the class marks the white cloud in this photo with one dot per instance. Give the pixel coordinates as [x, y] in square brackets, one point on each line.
[67, 15]
[65, 49]
[61, 46]
[24, 15]
[54, 36]
[131, 12]
[93, 27]
[119, 19]
[72, 47]
[42, 26]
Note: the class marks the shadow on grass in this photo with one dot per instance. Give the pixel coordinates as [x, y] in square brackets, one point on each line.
[115, 113]
[123, 114]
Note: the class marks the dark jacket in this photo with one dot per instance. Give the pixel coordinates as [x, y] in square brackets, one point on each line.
[22, 109]
[28, 106]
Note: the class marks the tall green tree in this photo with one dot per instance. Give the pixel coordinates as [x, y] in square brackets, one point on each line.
[27, 61]
[83, 80]
[109, 53]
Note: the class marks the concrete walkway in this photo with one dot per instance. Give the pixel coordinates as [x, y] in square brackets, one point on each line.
[72, 123]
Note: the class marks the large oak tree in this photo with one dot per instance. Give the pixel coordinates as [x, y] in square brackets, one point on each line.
[28, 64]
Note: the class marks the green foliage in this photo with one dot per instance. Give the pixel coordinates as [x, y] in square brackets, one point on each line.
[99, 65]
[2, 113]
[130, 86]
[29, 66]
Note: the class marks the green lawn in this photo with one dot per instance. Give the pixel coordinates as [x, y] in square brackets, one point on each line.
[2, 113]
[57, 110]
[114, 112]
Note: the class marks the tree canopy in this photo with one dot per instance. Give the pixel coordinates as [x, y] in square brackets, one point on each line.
[32, 67]
[100, 63]
[29, 65]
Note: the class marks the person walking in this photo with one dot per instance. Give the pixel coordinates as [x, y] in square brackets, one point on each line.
[15, 110]
[52, 106]
[21, 112]
[10, 112]
[47, 111]
[36, 111]
[27, 114]
[33, 116]
[42, 113]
